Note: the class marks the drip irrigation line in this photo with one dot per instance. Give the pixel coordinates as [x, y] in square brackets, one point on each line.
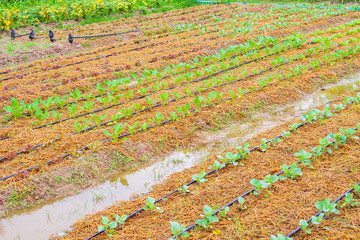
[317, 214]
[4, 138]
[149, 127]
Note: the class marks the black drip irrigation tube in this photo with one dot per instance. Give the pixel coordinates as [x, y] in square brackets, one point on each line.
[161, 123]
[317, 214]
[208, 173]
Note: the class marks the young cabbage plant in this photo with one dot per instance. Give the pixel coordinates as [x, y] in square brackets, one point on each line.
[72, 109]
[223, 212]
[56, 115]
[264, 144]
[47, 103]
[177, 228]
[199, 178]
[158, 118]
[98, 119]
[305, 226]
[349, 201]
[207, 217]
[41, 116]
[76, 95]
[304, 157]
[217, 165]
[16, 108]
[292, 171]
[88, 105]
[118, 128]
[150, 205]
[280, 237]
[271, 179]
[60, 101]
[317, 219]
[108, 226]
[241, 201]
[132, 129]
[184, 190]
[259, 185]
[326, 207]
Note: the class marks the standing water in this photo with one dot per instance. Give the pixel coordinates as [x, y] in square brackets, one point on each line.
[42, 221]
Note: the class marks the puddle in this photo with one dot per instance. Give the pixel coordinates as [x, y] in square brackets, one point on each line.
[42, 221]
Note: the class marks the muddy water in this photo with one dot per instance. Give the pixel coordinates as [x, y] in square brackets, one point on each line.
[42, 221]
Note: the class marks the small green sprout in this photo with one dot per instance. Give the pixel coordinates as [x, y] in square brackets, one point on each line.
[150, 205]
[108, 226]
[241, 201]
[199, 178]
[217, 165]
[207, 218]
[184, 190]
[177, 228]
[293, 171]
[305, 226]
[279, 237]
[326, 206]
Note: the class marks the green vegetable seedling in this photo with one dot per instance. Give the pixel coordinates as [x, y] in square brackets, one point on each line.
[177, 228]
[207, 217]
[150, 205]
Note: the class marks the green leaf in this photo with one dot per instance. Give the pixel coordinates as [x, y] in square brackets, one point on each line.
[113, 225]
[105, 220]
[207, 210]
[100, 228]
